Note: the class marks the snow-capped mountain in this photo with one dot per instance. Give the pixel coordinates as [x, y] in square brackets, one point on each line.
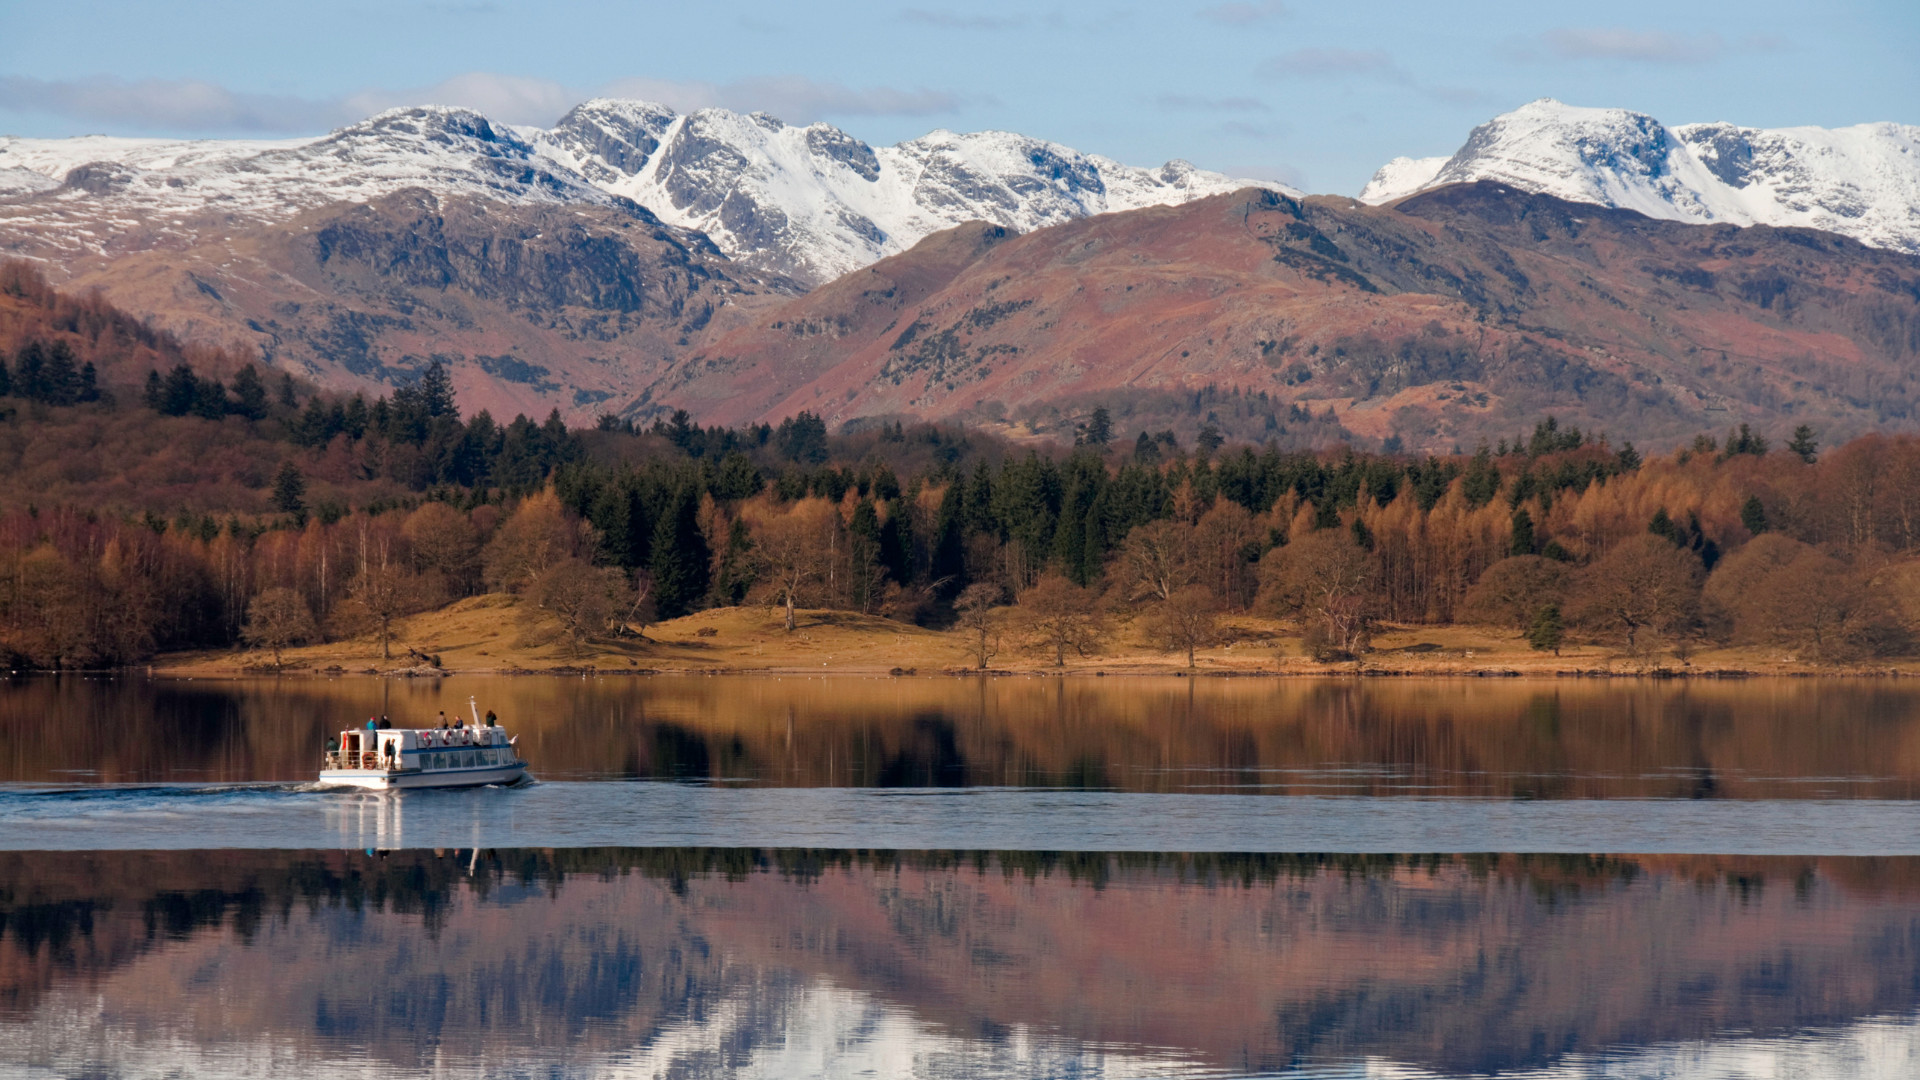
[1861, 181]
[811, 202]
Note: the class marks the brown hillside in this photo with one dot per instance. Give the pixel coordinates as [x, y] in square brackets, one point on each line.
[1454, 316]
[530, 307]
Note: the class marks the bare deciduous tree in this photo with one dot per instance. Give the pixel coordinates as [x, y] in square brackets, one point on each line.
[278, 619]
[1327, 580]
[1512, 591]
[1059, 615]
[580, 596]
[975, 606]
[794, 550]
[1644, 586]
[1186, 621]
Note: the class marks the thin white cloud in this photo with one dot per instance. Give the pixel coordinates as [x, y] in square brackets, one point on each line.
[1332, 64]
[1635, 46]
[156, 105]
[512, 99]
[1191, 103]
[959, 20]
[168, 105]
[1242, 13]
[793, 98]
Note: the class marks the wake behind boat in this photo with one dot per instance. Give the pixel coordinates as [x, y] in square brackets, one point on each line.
[433, 757]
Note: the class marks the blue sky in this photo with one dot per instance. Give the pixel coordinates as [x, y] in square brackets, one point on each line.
[1318, 94]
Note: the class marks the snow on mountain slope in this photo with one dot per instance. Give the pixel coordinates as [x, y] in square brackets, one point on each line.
[811, 202]
[814, 202]
[1861, 181]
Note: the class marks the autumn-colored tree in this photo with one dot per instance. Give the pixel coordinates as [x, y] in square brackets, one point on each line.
[277, 619]
[794, 550]
[1186, 621]
[1058, 615]
[581, 597]
[1327, 580]
[1645, 587]
[444, 544]
[976, 607]
[1513, 590]
[1157, 559]
[539, 534]
[1778, 591]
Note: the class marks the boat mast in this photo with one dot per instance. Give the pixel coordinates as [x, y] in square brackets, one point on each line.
[473, 706]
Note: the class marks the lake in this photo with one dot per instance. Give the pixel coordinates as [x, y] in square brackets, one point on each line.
[761, 876]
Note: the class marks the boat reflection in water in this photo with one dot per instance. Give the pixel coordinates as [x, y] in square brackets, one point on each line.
[788, 963]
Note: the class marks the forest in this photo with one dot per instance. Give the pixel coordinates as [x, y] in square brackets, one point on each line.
[288, 515]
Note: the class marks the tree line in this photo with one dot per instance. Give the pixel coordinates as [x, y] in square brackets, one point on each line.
[1553, 534]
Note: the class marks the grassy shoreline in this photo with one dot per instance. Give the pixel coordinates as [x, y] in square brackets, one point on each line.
[488, 635]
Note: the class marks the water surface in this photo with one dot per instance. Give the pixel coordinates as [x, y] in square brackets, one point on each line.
[695, 962]
[1502, 738]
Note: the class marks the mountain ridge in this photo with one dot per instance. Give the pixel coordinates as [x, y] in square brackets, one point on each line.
[1861, 181]
[807, 202]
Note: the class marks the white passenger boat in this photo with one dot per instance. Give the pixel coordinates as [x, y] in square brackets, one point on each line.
[432, 757]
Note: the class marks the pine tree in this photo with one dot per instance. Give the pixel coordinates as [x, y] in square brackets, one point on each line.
[62, 380]
[1804, 444]
[949, 567]
[680, 559]
[1547, 631]
[6, 380]
[1523, 540]
[1662, 526]
[30, 372]
[249, 394]
[1481, 482]
[89, 389]
[290, 491]
[1099, 430]
[153, 395]
[180, 391]
[211, 399]
[1753, 514]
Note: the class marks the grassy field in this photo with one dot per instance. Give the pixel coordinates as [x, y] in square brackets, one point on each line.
[492, 634]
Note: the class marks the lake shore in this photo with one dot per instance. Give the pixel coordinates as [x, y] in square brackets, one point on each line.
[489, 635]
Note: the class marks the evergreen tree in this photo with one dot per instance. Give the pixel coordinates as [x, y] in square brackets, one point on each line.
[1099, 428]
[1628, 459]
[249, 394]
[1804, 444]
[30, 372]
[62, 379]
[210, 400]
[290, 491]
[180, 392]
[1662, 526]
[1523, 540]
[287, 398]
[89, 388]
[680, 559]
[1481, 482]
[6, 379]
[153, 395]
[1547, 631]
[737, 570]
[949, 567]
[1753, 514]
[1145, 450]
[1208, 440]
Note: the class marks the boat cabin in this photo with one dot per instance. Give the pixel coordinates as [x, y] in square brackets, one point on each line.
[423, 749]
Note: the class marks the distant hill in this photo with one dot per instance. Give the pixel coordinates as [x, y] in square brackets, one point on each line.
[1452, 317]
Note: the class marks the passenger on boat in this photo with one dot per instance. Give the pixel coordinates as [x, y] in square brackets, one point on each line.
[372, 724]
[333, 744]
[492, 720]
[385, 724]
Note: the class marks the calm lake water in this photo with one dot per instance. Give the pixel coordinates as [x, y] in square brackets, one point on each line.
[756, 876]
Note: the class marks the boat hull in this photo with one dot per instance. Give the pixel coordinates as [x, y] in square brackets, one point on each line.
[411, 779]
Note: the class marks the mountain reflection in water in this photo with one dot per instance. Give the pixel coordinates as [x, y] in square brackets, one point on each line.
[790, 962]
[1542, 738]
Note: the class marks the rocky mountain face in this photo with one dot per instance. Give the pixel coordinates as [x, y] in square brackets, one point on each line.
[1460, 314]
[531, 306]
[1861, 181]
[810, 202]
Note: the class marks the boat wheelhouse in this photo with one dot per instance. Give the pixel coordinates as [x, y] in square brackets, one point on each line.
[463, 756]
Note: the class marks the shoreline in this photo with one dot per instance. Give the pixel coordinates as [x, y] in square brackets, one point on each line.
[494, 635]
